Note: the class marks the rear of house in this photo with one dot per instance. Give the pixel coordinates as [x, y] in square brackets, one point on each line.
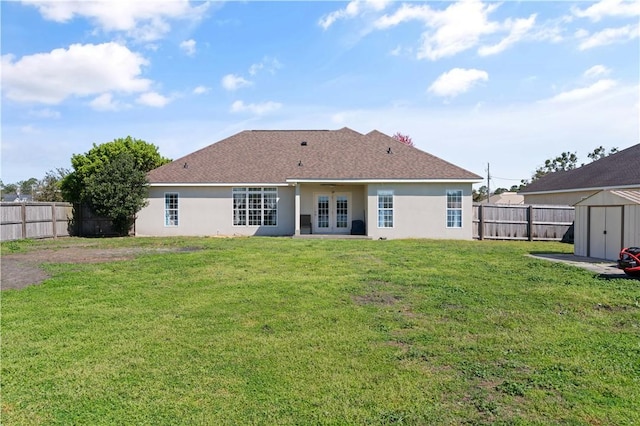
[285, 183]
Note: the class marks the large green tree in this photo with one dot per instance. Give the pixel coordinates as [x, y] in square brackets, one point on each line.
[117, 191]
[145, 156]
[111, 179]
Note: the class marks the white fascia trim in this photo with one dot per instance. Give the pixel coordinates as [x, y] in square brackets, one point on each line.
[596, 188]
[384, 180]
[236, 184]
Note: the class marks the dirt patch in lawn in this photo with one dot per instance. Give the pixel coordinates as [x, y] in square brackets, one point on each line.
[20, 270]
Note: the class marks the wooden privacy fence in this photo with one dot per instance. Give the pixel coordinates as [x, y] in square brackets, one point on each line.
[521, 222]
[35, 220]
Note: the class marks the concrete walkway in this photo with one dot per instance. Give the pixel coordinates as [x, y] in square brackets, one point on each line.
[606, 268]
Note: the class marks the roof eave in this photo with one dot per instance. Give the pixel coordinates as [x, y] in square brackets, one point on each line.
[357, 180]
[215, 184]
[594, 188]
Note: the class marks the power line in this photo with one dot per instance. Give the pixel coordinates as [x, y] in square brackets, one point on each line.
[501, 178]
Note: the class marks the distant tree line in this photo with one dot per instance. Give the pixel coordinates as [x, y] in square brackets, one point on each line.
[44, 189]
[563, 162]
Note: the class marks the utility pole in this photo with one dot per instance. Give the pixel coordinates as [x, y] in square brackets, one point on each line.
[488, 184]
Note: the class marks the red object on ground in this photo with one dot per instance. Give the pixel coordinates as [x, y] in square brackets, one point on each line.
[629, 261]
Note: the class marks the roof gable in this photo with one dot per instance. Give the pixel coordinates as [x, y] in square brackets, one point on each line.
[603, 198]
[621, 169]
[278, 156]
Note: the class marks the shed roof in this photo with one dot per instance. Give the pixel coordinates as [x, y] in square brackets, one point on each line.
[608, 198]
[621, 169]
[278, 156]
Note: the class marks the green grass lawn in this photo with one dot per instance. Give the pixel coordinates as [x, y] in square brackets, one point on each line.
[282, 331]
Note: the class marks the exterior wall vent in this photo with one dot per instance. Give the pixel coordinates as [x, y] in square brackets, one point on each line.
[303, 143]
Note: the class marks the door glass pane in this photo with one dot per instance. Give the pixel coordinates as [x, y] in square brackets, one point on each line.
[342, 210]
[323, 211]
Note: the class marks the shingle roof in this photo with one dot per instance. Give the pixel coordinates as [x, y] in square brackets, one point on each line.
[616, 170]
[268, 156]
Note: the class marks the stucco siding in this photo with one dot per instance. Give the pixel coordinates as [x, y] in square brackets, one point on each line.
[208, 211]
[419, 211]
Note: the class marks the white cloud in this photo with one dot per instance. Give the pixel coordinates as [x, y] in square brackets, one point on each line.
[353, 9]
[457, 81]
[406, 12]
[257, 109]
[189, 47]
[105, 102]
[141, 20]
[596, 71]
[234, 82]
[200, 90]
[271, 65]
[608, 36]
[583, 93]
[153, 99]
[518, 28]
[80, 70]
[45, 113]
[606, 8]
[449, 31]
[581, 33]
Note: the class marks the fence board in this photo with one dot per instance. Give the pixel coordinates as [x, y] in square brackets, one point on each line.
[521, 222]
[34, 220]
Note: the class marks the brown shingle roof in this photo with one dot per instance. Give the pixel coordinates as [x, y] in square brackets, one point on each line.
[617, 170]
[266, 156]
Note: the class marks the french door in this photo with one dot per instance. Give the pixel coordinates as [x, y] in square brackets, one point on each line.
[333, 212]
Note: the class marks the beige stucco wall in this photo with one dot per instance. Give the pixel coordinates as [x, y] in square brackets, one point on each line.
[209, 211]
[420, 211]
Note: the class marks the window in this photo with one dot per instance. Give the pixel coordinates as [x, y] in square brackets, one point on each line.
[385, 209]
[171, 209]
[454, 208]
[255, 206]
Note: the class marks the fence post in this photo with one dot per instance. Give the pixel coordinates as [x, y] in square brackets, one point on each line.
[54, 220]
[530, 222]
[480, 223]
[23, 214]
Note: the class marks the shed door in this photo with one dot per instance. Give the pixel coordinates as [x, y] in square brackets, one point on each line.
[605, 232]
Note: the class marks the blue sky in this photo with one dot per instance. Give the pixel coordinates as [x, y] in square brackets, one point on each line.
[509, 83]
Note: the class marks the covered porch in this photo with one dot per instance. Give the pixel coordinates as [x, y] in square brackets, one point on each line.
[330, 209]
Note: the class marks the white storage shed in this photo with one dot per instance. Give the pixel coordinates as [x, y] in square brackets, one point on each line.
[606, 222]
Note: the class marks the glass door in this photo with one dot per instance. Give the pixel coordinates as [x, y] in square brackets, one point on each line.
[333, 212]
[322, 212]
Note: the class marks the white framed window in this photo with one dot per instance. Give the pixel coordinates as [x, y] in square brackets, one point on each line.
[255, 206]
[454, 208]
[171, 217]
[385, 209]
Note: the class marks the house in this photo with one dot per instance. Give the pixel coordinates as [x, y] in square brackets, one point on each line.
[606, 222]
[506, 198]
[619, 171]
[285, 183]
